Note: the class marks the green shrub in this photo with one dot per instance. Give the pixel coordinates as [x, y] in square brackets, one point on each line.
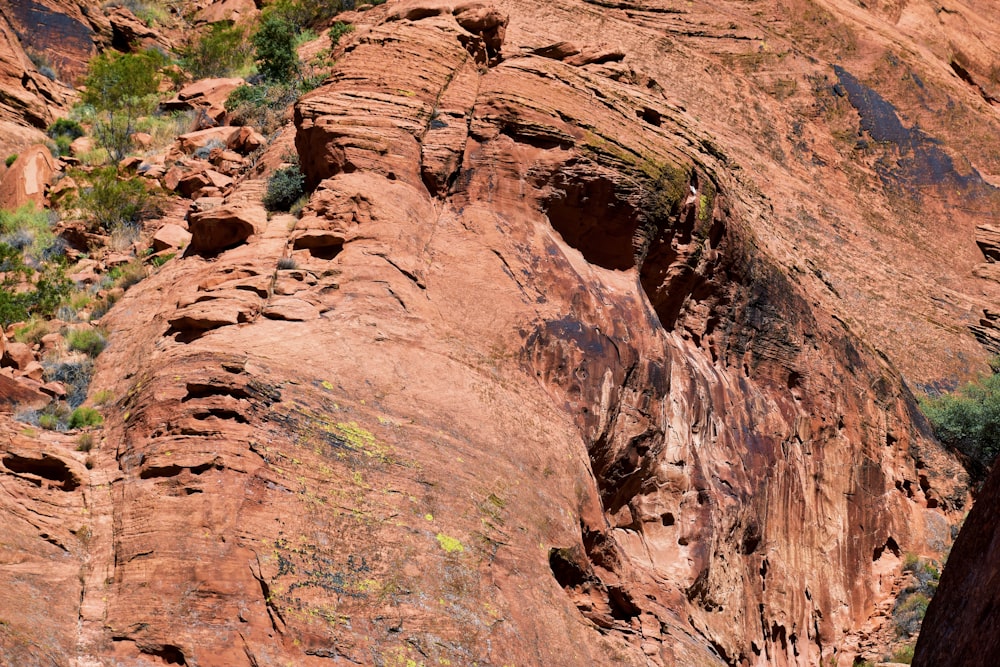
[89, 341]
[109, 202]
[29, 229]
[53, 417]
[126, 275]
[911, 605]
[121, 88]
[904, 654]
[303, 14]
[32, 331]
[63, 132]
[10, 159]
[25, 292]
[221, 51]
[274, 42]
[160, 260]
[969, 420]
[338, 30]
[49, 421]
[84, 417]
[65, 127]
[262, 106]
[148, 11]
[284, 187]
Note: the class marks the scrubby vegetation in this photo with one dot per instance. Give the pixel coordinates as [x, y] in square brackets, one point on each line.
[222, 51]
[109, 202]
[121, 87]
[89, 341]
[25, 291]
[63, 132]
[969, 419]
[284, 188]
[274, 43]
[911, 605]
[84, 417]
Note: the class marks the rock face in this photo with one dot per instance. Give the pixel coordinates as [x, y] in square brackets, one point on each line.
[577, 355]
[958, 629]
[27, 179]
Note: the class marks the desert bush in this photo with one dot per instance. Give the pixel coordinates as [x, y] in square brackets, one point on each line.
[205, 152]
[83, 417]
[85, 442]
[121, 88]
[284, 188]
[911, 605]
[222, 51]
[149, 12]
[31, 332]
[263, 106]
[10, 159]
[164, 126]
[338, 30]
[25, 292]
[89, 341]
[274, 43]
[126, 275]
[63, 132]
[104, 397]
[904, 654]
[969, 419]
[42, 64]
[74, 375]
[29, 229]
[109, 202]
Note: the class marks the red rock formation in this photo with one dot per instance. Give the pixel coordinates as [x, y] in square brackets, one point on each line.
[27, 179]
[584, 351]
[959, 627]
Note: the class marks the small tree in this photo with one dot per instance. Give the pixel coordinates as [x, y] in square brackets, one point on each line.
[122, 87]
[969, 419]
[275, 46]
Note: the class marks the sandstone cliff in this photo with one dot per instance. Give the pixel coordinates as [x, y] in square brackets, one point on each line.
[591, 354]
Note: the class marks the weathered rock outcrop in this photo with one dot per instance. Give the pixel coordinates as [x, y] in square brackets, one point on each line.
[959, 629]
[579, 354]
[27, 179]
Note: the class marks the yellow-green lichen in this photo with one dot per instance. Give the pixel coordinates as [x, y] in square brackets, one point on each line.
[450, 544]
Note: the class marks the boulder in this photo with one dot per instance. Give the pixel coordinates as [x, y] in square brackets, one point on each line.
[192, 141]
[225, 226]
[54, 389]
[235, 11]
[17, 355]
[81, 145]
[170, 236]
[291, 309]
[34, 371]
[15, 395]
[207, 95]
[27, 178]
[246, 140]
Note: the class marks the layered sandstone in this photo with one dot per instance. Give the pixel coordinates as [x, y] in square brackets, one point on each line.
[580, 353]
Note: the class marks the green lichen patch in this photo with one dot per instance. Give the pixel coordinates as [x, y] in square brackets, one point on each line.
[450, 544]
